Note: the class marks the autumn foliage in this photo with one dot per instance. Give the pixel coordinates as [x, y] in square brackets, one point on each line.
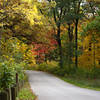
[60, 31]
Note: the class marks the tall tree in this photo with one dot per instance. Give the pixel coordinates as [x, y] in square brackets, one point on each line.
[61, 14]
[58, 16]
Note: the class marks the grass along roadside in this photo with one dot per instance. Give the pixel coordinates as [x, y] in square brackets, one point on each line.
[83, 83]
[26, 93]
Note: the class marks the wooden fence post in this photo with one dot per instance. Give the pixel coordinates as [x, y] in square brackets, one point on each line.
[16, 78]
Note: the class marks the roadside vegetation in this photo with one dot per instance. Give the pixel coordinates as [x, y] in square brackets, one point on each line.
[26, 93]
[93, 84]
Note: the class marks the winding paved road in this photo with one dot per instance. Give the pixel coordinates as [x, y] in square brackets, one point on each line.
[49, 87]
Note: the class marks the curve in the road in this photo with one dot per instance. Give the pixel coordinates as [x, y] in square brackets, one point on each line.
[49, 87]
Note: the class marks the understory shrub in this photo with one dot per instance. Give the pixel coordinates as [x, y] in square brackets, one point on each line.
[7, 75]
[25, 94]
[8, 72]
[19, 68]
[54, 68]
[88, 73]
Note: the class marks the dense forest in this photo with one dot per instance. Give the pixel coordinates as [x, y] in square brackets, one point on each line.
[57, 36]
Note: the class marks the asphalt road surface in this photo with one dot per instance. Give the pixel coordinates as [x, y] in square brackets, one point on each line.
[49, 87]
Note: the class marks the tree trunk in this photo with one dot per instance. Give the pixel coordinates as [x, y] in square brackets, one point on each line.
[94, 62]
[0, 42]
[60, 46]
[70, 46]
[76, 43]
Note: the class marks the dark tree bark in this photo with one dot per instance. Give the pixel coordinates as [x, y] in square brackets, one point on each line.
[76, 33]
[94, 57]
[58, 19]
[70, 49]
[76, 43]
[60, 46]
